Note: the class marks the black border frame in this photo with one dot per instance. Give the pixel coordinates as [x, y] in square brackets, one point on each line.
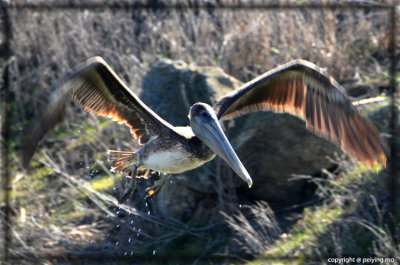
[6, 55]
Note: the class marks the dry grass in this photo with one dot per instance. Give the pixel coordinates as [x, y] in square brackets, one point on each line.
[256, 231]
[352, 219]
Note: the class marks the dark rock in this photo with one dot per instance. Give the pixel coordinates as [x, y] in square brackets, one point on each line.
[275, 147]
[362, 91]
[171, 87]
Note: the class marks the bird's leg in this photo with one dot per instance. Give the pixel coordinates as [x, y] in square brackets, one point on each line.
[153, 190]
[130, 188]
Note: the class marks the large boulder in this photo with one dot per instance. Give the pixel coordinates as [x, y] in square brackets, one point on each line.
[171, 87]
[272, 146]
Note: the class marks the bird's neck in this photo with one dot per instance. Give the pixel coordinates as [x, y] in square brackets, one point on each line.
[193, 144]
[199, 149]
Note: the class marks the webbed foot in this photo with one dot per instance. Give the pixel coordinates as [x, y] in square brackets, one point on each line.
[153, 190]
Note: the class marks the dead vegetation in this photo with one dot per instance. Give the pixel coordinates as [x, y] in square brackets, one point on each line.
[351, 219]
[63, 207]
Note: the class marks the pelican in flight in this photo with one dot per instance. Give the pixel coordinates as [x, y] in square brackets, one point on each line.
[298, 87]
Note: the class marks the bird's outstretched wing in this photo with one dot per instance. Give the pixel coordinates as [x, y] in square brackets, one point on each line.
[96, 87]
[305, 90]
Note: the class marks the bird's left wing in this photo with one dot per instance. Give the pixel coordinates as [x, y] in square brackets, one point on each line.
[98, 89]
[305, 90]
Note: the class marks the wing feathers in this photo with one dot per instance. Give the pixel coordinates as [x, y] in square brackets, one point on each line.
[305, 90]
[95, 87]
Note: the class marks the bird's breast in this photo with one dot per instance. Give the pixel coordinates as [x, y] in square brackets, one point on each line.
[172, 161]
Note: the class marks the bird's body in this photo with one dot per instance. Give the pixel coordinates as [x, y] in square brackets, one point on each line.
[177, 152]
[299, 88]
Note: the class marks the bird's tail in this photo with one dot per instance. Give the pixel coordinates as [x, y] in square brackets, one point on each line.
[124, 160]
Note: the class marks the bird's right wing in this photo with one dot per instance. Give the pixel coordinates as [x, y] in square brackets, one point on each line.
[96, 87]
[303, 89]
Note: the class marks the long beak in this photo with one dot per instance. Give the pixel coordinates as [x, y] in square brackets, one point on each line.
[214, 137]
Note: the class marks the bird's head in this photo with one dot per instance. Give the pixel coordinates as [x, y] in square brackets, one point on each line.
[206, 127]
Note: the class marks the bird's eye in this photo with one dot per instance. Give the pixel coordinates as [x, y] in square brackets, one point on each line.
[204, 114]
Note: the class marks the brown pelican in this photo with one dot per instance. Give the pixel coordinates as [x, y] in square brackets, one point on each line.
[298, 87]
